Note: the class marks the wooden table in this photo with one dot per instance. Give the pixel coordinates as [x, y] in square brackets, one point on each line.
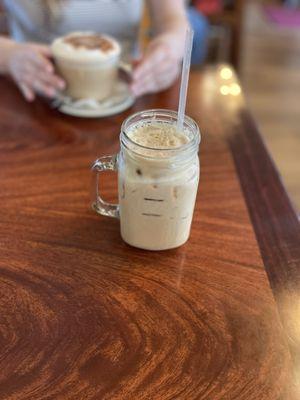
[84, 316]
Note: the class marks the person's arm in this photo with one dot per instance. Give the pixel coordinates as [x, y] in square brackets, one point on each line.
[169, 19]
[160, 64]
[30, 67]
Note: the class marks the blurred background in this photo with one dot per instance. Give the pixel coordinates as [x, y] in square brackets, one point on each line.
[270, 74]
[261, 39]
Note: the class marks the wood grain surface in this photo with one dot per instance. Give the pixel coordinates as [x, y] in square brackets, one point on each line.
[84, 316]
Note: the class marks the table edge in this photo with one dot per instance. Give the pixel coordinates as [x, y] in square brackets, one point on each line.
[272, 214]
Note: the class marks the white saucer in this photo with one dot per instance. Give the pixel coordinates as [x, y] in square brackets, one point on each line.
[90, 108]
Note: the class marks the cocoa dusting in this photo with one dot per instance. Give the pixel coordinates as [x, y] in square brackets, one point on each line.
[90, 42]
[158, 136]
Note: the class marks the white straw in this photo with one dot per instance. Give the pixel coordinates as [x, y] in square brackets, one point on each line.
[185, 77]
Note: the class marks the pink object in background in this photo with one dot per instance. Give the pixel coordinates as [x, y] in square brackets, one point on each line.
[283, 16]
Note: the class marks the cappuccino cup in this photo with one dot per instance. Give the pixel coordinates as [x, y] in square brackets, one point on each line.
[89, 63]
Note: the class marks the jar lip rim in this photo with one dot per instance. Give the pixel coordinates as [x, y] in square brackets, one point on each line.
[195, 141]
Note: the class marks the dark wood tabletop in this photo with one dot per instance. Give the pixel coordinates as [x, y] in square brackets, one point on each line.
[85, 316]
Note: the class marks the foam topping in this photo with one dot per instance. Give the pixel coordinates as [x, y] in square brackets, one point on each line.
[86, 46]
[158, 136]
[91, 42]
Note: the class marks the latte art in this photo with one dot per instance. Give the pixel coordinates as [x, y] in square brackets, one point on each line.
[86, 47]
[90, 42]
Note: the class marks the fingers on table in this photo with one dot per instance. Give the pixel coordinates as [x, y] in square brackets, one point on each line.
[40, 61]
[26, 91]
[152, 60]
[158, 78]
[37, 76]
[40, 83]
[42, 49]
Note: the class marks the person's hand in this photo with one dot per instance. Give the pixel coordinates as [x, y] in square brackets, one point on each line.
[31, 69]
[159, 67]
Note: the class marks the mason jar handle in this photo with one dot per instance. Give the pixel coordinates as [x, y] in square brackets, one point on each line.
[107, 163]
